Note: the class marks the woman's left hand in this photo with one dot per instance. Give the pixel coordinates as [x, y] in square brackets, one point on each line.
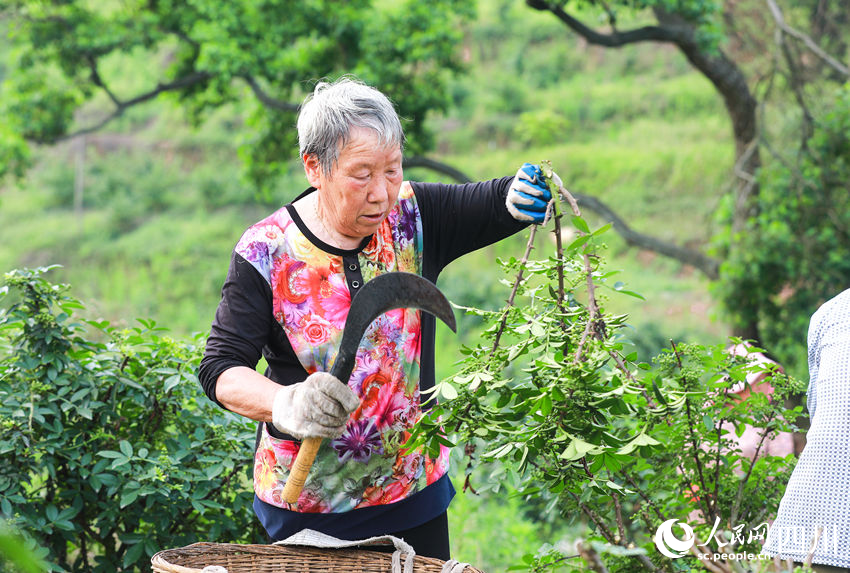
[529, 194]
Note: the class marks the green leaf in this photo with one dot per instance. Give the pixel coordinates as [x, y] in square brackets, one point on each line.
[603, 229]
[171, 382]
[214, 471]
[581, 224]
[134, 554]
[64, 525]
[618, 286]
[128, 497]
[118, 462]
[126, 448]
[499, 452]
[447, 391]
[578, 448]
[545, 405]
[578, 242]
[79, 394]
[641, 439]
[657, 391]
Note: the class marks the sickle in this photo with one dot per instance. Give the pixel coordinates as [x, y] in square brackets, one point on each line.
[381, 294]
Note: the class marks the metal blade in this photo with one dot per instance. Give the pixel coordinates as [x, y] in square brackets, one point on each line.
[381, 294]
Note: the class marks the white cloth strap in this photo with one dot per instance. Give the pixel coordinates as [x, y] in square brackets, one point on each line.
[311, 538]
[452, 566]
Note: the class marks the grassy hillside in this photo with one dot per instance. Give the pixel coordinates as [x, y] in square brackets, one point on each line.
[162, 204]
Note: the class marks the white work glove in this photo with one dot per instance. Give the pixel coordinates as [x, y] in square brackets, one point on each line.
[529, 194]
[319, 407]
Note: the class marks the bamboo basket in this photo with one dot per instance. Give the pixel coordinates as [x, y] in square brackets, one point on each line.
[246, 558]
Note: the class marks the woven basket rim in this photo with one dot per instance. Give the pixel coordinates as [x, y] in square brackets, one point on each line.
[162, 560]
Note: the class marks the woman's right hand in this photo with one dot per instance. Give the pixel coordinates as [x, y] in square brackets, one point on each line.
[318, 407]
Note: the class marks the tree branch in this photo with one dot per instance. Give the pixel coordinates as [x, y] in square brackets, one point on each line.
[743, 482]
[809, 43]
[98, 81]
[122, 106]
[614, 39]
[645, 497]
[612, 16]
[591, 557]
[600, 523]
[268, 100]
[709, 266]
[618, 513]
[427, 163]
[797, 84]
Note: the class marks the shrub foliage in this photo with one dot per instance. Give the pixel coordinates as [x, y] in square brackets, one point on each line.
[556, 400]
[110, 450]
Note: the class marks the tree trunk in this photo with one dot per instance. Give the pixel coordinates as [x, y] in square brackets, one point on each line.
[728, 79]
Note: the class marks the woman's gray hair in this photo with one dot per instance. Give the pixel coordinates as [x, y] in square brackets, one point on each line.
[329, 113]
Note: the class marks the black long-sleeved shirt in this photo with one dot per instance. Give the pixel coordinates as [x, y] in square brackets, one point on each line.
[456, 219]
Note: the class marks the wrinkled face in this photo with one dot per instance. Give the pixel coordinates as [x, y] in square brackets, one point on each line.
[358, 193]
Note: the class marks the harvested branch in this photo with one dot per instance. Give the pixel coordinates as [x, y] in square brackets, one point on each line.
[510, 302]
[592, 306]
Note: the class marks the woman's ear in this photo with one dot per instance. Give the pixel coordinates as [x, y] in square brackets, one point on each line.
[313, 169]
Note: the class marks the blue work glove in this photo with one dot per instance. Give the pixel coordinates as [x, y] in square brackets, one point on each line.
[529, 194]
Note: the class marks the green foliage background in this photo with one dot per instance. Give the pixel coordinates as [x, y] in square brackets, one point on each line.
[165, 195]
[110, 450]
[164, 202]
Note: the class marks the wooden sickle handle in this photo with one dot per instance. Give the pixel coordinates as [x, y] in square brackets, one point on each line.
[300, 469]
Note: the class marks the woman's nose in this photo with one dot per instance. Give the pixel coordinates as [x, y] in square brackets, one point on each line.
[379, 191]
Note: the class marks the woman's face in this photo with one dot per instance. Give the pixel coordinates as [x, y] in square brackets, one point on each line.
[358, 193]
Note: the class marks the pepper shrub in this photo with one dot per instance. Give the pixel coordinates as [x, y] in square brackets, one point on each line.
[110, 451]
[555, 405]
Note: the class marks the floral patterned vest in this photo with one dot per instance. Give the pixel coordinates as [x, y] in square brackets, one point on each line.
[311, 298]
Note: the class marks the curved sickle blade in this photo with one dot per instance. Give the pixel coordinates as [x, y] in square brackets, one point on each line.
[381, 294]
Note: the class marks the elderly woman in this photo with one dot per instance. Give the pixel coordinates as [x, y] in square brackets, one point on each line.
[286, 298]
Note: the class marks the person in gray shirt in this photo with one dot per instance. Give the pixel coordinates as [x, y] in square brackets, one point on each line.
[814, 515]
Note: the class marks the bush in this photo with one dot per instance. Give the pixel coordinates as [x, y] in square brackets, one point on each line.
[556, 400]
[110, 450]
[541, 127]
[794, 253]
